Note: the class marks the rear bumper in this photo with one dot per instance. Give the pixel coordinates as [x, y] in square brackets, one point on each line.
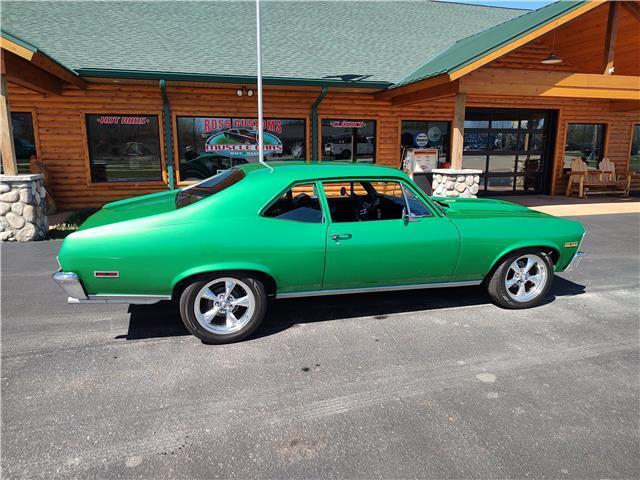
[575, 261]
[70, 283]
[72, 286]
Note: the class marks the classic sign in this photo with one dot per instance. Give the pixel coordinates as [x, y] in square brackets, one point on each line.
[223, 246]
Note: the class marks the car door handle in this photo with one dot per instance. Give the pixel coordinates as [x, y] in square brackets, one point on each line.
[340, 236]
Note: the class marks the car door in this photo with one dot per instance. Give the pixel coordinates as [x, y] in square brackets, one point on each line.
[291, 238]
[375, 239]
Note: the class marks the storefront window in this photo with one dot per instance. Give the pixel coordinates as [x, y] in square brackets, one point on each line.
[24, 141]
[584, 141]
[634, 160]
[417, 134]
[124, 148]
[349, 140]
[208, 145]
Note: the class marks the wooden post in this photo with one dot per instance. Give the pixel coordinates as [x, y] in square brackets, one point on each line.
[610, 39]
[457, 137]
[9, 165]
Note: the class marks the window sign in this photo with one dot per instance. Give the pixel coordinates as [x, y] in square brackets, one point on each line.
[208, 145]
[349, 140]
[124, 148]
[584, 141]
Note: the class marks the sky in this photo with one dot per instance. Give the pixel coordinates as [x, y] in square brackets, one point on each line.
[529, 4]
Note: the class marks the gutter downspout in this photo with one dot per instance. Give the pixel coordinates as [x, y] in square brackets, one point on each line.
[314, 123]
[168, 143]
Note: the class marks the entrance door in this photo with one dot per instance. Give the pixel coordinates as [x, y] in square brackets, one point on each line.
[511, 147]
[370, 244]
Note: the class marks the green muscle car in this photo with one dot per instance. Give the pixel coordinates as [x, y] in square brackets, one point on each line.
[224, 246]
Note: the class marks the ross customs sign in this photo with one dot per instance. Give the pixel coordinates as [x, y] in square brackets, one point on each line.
[241, 140]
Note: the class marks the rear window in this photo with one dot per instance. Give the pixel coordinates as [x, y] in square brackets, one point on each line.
[208, 187]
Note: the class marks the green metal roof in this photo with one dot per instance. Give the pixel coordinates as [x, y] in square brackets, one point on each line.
[302, 40]
[467, 50]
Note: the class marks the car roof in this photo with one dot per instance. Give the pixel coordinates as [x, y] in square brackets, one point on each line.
[312, 170]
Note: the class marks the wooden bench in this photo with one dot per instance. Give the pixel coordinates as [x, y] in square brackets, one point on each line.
[601, 181]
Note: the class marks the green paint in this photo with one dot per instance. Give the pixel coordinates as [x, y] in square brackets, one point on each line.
[154, 245]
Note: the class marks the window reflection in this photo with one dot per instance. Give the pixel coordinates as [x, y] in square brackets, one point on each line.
[124, 148]
[425, 134]
[584, 141]
[349, 140]
[634, 160]
[24, 142]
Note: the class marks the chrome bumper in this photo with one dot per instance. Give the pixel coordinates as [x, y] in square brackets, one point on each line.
[72, 286]
[575, 262]
[70, 283]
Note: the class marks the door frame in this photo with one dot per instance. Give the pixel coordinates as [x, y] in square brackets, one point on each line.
[547, 153]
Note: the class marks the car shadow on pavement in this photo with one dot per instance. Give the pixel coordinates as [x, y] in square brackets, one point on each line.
[163, 319]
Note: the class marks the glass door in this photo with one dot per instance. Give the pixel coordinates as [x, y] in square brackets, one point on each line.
[510, 147]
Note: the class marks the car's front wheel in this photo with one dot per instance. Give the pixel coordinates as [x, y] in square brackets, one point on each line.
[522, 279]
[224, 308]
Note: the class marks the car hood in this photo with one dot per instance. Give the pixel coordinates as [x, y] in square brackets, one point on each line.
[483, 208]
[132, 208]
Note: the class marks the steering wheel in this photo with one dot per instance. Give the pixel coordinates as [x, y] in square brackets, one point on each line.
[301, 200]
[368, 208]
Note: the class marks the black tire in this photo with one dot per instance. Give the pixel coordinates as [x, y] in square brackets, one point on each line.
[189, 298]
[497, 281]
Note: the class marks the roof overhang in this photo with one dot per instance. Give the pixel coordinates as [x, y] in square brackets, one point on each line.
[238, 79]
[463, 68]
[27, 66]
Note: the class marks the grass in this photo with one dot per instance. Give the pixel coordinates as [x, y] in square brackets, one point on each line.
[71, 224]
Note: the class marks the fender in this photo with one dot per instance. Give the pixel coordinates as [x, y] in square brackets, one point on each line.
[525, 244]
[221, 266]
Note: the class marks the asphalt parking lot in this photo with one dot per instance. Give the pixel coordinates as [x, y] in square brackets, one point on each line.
[435, 383]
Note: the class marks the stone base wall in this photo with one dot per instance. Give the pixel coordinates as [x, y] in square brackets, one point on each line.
[448, 182]
[23, 213]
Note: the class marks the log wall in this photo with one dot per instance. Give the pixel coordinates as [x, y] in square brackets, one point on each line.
[61, 133]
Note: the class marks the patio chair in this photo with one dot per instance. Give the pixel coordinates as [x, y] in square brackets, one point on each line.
[580, 178]
[619, 183]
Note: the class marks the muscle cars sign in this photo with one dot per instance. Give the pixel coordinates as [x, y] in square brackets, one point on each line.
[241, 142]
[236, 139]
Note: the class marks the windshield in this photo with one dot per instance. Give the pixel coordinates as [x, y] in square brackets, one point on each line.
[208, 187]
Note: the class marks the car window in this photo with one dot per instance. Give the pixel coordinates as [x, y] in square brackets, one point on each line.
[300, 203]
[417, 208]
[363, 201]
[208, 187]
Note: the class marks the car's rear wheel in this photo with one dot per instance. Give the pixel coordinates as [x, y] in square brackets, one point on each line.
[224, 308]
[522, 279]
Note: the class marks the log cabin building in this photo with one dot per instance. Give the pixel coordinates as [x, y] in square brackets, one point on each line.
[122, 99]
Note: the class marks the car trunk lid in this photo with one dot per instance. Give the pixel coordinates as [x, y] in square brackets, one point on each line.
[132, 208]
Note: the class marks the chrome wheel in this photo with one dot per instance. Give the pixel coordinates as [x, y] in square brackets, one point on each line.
[224, 305]
[526, 278]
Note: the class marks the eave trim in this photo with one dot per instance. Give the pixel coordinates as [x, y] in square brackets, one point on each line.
[211, 78]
